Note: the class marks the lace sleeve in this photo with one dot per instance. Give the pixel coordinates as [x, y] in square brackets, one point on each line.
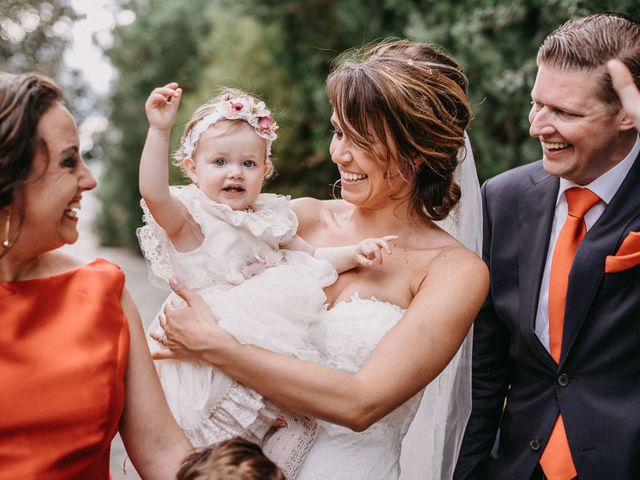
[155, 245]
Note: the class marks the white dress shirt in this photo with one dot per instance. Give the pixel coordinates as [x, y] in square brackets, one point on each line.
[605, 186]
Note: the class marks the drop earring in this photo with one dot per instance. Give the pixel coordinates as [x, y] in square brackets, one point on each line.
[6, 243]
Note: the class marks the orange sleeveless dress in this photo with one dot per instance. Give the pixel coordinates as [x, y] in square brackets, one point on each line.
[64, 344]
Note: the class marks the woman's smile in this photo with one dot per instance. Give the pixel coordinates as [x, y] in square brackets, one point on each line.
[349, 177]
[71, 212]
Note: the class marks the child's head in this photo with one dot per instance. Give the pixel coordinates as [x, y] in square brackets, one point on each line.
[226, 148]
[234, 459]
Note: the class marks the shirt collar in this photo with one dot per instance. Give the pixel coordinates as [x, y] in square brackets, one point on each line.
[607, 184]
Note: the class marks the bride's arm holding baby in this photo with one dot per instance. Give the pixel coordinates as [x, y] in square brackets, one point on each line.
[410, 355]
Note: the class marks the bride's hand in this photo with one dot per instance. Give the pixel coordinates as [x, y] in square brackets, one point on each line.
[190, 331]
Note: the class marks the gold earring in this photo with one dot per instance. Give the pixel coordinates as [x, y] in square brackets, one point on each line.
[7, 227]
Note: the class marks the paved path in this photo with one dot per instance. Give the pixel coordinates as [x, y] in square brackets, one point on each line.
[147, 297]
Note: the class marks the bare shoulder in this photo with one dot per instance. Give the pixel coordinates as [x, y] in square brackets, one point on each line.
[311, 211]
[308, 206]
[459, 264]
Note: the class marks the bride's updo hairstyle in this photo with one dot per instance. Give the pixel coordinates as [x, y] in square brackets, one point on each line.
[412, 98]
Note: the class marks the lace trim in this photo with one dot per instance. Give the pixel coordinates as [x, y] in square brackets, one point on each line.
[153, 244]
[272, 217]
[236, 414]
[356, 297]
[289, 446]
[270, 214]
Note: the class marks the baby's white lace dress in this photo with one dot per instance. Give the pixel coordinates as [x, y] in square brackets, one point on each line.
[259, 293]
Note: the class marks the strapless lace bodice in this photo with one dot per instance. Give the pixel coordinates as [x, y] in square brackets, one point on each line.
[345, 337]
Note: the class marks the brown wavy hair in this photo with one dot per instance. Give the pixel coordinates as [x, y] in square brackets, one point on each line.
[23, 101]
[587, 43]
[411, 95]
[234, 459]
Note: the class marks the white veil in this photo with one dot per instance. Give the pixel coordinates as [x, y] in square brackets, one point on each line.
[430, 449]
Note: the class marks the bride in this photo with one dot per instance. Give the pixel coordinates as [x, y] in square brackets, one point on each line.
[400, 112]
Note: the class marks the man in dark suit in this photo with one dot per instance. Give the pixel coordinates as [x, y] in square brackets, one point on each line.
[556, 365]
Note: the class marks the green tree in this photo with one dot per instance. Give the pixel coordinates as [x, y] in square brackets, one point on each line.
[34, 34]
[497, 42]
[281, 50]
[162, 45]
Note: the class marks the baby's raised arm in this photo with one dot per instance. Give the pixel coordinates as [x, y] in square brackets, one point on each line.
[161, 108]
[365, 253]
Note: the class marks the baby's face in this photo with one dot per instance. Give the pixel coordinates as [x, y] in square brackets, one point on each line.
[229, 164]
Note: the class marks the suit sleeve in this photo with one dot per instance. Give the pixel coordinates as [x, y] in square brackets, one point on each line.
[491, 372]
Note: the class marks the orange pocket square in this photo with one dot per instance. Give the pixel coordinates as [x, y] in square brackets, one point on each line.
[627, 256]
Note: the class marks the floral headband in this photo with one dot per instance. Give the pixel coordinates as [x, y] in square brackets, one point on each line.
[235, 107]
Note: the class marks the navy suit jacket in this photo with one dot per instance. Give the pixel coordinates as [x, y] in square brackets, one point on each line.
[518, 389]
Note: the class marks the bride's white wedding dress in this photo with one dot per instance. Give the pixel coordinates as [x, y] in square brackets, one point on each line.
[345, 337]
[421, 438]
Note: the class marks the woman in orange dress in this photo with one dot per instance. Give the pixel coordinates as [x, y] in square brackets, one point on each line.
[74, 365]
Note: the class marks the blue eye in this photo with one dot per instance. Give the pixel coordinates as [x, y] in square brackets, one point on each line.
[248, 163]
[220, 162]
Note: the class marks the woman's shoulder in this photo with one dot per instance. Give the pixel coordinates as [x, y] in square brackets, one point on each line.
[63, 262]
[433, 252]
[57, 264]
[308, 207]
[315, 215]
[459, 264]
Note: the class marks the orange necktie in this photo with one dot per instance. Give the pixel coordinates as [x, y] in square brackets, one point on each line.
[556, 461]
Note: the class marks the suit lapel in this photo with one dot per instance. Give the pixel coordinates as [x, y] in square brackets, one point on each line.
[536, 207]
[601, 240]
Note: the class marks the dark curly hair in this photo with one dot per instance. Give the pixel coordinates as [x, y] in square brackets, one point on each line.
[412, 95]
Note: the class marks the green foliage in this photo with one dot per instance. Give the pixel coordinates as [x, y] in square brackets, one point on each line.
[34, 34]
[33, 37]
[281, 50]
[497, 42]
[161, 46]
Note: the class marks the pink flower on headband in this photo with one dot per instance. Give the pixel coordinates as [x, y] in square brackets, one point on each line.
[266, 123]
[235, 107]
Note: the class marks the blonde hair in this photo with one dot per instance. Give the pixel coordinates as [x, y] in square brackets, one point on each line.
[234, 459]
[411, 95]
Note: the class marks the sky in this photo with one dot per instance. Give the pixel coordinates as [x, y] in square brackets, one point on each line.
[84, 54]
[87, 57]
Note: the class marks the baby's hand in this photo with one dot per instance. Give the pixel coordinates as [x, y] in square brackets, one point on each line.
[162, 105]
[370, 249]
